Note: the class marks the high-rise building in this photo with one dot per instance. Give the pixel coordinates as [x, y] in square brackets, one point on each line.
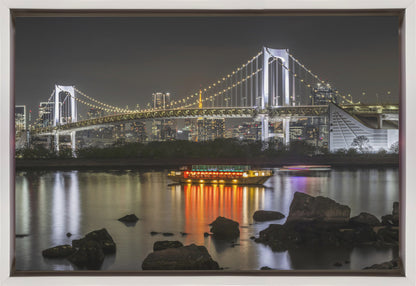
[46, 110]
[323, 94]
[161, 100]
[210, 129]
[20, 118]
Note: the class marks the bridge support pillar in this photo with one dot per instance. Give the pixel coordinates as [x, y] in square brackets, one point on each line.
[73, 143]
[286, 131]
[264, 127]
[56, 142]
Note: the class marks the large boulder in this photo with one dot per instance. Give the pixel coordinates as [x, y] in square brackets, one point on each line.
[161, 245]
[365, 219]
[90, 255]
[102, 237]
[393, 264]
[307, 208]
[262, 215]
[191, 257]
[224, 228]
[131, 218]
[60, 251]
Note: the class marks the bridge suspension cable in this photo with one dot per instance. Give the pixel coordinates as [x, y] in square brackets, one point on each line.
[214, 85]
[315, 76]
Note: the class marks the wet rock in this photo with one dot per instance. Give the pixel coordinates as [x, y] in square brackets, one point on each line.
[347, 262]
[68, 234]
[167, 234]
[183, 233]
[395, 212]
[131, 218]
[224, 228]
[206, 234]
[90, 255]
[388, 236]
[338, 264]
[191, 257]
[154, 232]
[262, 215]
[365, 219]
[102, 237]
[266, 268]
[161, 245]
[60, 251]
[252, 237]
[393, 264]
[307, 208]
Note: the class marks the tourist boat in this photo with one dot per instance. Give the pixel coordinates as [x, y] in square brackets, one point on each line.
[221, 174]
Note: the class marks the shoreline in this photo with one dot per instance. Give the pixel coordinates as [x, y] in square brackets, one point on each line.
[22, 164]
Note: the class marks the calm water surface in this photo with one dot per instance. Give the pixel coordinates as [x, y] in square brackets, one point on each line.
[51, 203]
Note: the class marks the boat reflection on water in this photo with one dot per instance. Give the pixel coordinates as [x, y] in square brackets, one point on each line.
[204, 203]
[305, 170]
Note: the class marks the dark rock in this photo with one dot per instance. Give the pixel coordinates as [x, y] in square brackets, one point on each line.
[267, 215]
[393, 264]
[365, 219]
[388, 236]
[252, 237]
[206, 234]
[21, 235]
[90, 255]
[161, 245]
[266, 268]
[129, 218]
[154, 232]
[68, 234]
[337, 264]
[183, 233]
[347, 262]
[191, 257]
[395, 212]
[224, 228]
[167, 234]
[101, 236]
[387, 220]
[307, 208]
[60, 251]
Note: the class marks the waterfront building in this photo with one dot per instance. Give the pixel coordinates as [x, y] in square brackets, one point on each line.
[344, 128]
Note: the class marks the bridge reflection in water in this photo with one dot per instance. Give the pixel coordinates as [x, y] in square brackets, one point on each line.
[204, 203]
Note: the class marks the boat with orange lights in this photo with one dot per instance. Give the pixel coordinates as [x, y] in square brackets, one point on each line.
[221, 174]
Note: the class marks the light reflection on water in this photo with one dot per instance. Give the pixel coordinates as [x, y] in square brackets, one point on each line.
[50, 204]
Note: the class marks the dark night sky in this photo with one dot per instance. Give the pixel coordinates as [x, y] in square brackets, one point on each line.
[122, 61]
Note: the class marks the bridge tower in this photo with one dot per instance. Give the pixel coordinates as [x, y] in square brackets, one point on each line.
[64, 107]
[275, 99]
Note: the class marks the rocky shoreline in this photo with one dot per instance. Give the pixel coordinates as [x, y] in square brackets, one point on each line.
[312, 222]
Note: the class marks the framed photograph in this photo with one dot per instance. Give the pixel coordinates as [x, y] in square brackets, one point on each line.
[267, 143]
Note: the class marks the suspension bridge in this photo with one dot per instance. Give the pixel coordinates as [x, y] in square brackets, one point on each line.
[272, 85]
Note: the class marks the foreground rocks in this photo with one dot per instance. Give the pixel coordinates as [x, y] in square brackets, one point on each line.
[131, 218]
[262, 215]
[224, 228]
[307, 208]
[190, 257]
[322, 222]
[88, 252]
[60, 251]
[393, 264]
[161, 245]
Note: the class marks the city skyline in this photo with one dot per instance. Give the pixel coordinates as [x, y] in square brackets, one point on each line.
[105, 57]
